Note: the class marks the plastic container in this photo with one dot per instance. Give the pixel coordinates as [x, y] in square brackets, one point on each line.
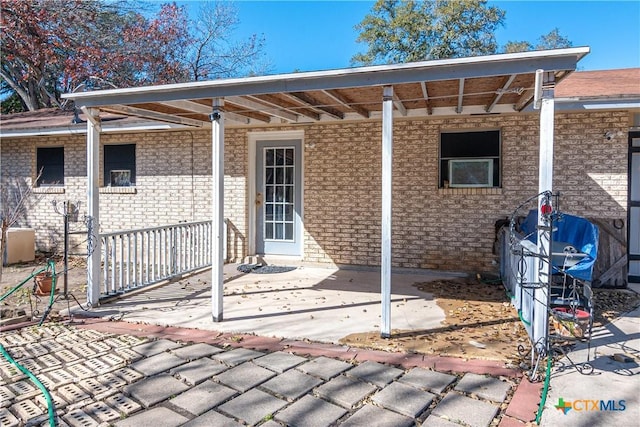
[570, 323]
[21, 244]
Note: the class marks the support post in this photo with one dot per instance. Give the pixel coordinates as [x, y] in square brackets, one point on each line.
[545, 183]
[387, 180]
[217, 209]
[94, 252]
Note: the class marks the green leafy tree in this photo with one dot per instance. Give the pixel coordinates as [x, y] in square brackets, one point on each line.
[399, 31]
[52, 47]
[552, 40]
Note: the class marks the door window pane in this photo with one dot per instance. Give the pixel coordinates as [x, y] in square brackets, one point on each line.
[634, 231]
[279, 231]
[635, 177]
[634, 268]
[279, 193]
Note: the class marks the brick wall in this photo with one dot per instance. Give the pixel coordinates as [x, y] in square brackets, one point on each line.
[451, 229]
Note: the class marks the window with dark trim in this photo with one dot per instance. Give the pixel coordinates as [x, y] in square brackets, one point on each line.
[120, 165]
[470, 159]
[50, 166]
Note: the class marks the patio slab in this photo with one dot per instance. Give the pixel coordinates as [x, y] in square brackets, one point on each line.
[316, 303]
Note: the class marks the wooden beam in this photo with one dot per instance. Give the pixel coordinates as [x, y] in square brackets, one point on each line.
[192, 106]
[505, 85]
[524, 100]
[460, 95]
[399, 105]
[342, 99]
[196, 107]
[302, 107]
[153, 115]
[425, 95]
[313, 103]
[278, 103]
[252, 104]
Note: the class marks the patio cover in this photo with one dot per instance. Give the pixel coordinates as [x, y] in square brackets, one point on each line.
[461, 86]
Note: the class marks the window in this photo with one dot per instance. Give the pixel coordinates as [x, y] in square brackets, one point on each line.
[470, 159]
[120, 165]
[50, 160]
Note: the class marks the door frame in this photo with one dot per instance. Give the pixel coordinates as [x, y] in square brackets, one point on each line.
[252, 139]
[630, 203]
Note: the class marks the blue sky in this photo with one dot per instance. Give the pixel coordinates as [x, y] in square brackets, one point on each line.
[318, 35]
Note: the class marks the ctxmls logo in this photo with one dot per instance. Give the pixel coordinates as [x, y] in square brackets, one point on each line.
[584, 405]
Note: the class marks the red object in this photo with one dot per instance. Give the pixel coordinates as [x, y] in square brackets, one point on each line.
[545, 209]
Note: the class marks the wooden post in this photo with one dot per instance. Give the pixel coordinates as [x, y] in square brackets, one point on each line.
[387, 181]
[217, 209]
[94, 252]
[545, 183]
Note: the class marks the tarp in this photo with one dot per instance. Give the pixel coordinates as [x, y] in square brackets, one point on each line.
[569, 230]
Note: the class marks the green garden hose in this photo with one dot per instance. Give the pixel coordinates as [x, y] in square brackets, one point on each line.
[19, 285]
[543, 399]
[50, 407]
[51, 296]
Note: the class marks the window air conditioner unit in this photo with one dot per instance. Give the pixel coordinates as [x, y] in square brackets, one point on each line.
[120, 178]
[471, 173]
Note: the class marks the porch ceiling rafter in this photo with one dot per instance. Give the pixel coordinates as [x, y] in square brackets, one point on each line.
[425, 95]
[397, 102]
[346, 102]
[460, 96]
[506, 82]
[250, 104]
[198, 108]
[314, 104]
[153, 115]
[275, 102]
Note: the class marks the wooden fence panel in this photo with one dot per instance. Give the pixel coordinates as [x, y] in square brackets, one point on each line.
[610, 269]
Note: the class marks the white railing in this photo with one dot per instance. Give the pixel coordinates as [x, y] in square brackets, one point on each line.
[133, 259]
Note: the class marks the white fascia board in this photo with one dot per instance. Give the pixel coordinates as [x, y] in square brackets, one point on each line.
[25, 133]
[444, 69]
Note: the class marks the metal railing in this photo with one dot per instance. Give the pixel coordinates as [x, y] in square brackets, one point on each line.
[517, 269]
[133, 259]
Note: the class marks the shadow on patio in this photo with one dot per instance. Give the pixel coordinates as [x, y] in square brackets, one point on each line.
[319, 304]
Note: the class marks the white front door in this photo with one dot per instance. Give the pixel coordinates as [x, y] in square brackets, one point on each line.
[634, 207]
[279, 197]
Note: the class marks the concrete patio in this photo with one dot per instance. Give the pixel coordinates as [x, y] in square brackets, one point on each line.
[314, 303]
